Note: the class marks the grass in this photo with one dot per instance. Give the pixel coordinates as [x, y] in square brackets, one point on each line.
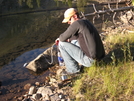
[113, 78]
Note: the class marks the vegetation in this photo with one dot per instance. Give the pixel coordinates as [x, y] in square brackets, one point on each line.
[29, 3]
[111, 80]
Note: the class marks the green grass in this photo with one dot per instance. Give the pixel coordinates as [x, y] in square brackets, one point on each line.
[113, 78]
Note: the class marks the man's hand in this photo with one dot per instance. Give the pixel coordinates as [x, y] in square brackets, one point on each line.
[68, 40]
[57, 41]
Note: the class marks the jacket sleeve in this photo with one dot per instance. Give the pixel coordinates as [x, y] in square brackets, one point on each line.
[70, 32]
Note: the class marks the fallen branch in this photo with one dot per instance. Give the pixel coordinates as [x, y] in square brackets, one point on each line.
[111, 10]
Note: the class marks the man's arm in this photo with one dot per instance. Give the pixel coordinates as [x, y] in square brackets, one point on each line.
[71, 31]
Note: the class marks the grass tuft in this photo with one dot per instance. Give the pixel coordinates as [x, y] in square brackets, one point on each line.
[110, 80]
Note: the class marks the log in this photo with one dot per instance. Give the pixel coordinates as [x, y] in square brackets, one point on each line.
[110, 10]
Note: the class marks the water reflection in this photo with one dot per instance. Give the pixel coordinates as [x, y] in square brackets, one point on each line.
[15, 70]
[23, 38]
[21, 33]
[14, 76]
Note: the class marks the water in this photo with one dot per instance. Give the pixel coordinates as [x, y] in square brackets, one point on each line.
[14, 76]
[22, 39]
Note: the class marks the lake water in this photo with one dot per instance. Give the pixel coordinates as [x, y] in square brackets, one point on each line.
[23, 37]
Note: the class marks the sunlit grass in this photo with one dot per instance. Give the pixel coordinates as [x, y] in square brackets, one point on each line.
[113, 80]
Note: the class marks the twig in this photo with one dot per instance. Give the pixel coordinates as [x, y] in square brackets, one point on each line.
[115, 12]
[114, 17]
[94, 19]
[110, 7]
[94, 8]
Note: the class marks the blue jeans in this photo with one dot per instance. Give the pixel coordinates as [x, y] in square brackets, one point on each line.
[72, 55]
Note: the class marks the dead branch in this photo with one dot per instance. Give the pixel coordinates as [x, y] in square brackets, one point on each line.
[113, 10]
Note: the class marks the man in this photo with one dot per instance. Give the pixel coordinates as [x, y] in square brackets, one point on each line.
[84, 44]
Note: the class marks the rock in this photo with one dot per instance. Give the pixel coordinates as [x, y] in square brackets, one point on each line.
[41, 62]
[36, 96]
[59, 72]
[27, 99]
[79, 95]
[55, 84]
[63, 100]
[55, 97]
[27, 86]
[46, 98]
[60, 91]
[46, 91]
[37, 83]
[61, 96]
[32, 90]
[52, 80]
[126, 17]
[20, 98]
[109, 99]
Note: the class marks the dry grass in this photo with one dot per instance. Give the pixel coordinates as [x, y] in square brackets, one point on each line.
[112, 78]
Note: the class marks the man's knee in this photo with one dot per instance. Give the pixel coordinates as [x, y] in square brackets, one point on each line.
[63, 44]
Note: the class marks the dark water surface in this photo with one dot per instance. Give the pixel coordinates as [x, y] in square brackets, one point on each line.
[14, 76]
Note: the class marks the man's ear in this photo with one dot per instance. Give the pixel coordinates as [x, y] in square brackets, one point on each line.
[75, 16]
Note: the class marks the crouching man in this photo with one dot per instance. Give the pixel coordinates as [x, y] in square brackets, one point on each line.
[84, 46]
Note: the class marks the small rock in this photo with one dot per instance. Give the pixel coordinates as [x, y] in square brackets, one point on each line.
[18, 90]
[109, 99]
[47, 97]
[79, 95]
[20, 98]
[63, 100]
[27, 86]
[11, 91]
[61, 96]
[26, 99]
[59, 72]
[37, 83]
[60, 91]
[36, 96]
[55, 84]
[32, 90]
[46, 91]
[53, 80]
[55, 97]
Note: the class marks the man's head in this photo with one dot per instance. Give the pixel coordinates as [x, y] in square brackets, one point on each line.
[69, 13]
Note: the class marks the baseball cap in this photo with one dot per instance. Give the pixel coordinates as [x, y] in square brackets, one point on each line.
[68, 13]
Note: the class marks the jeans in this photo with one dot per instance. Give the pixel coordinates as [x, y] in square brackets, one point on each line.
[72, 55]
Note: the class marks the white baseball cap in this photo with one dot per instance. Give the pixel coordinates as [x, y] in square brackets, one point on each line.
[68, 13]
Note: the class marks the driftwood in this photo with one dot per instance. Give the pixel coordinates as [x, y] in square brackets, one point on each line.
[110, 10]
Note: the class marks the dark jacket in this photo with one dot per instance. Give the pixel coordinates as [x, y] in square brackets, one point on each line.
[87, 36]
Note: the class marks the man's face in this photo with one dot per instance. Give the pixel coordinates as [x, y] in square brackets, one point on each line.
[71, 20]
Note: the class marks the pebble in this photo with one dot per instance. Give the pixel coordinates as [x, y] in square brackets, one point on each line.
[37, 83]
[32, 90]
[52, 90]
[27, 86]
[20, 98]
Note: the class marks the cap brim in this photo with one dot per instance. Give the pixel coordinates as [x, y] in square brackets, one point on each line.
[65, 20]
